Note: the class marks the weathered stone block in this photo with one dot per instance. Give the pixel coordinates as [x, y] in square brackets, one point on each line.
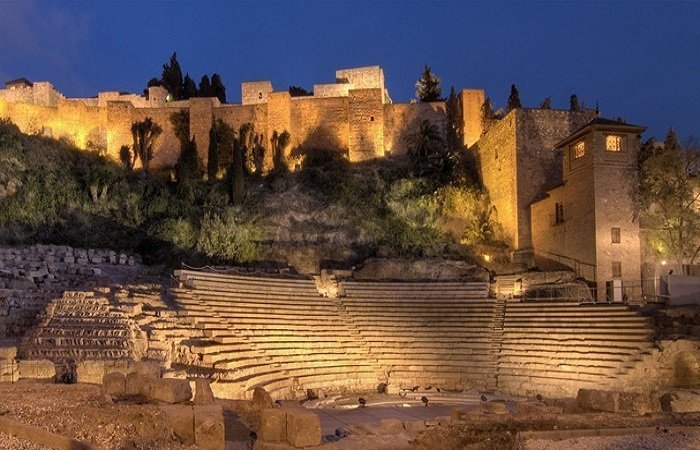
[91, 372]
[170, 390]
[273, 425]
[635, 403]
[203, 394]
[303, 428]
[149, 369]
[597, 400]
[261, 399]
[114, 384]
[681, 401]
[139, 385]
[8, 353]
[181, 418]
[36, 369]
[209, 427]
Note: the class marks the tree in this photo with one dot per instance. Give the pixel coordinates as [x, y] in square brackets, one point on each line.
[453, 110]
[144, 135]
[297, 91]
[279, 141]
[546, 103]
[180, 121]
[205, 87]
[217, 88]
[573, 103]
[428, 151]
[488, 115]
[189, 88]
[428, 86]
[188, 166]
[513, 99]
[236, 172]
[127, 157]
[213, 154]
[670, 199]
[171, 78]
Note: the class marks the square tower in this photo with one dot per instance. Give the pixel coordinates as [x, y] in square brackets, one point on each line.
[590, 223]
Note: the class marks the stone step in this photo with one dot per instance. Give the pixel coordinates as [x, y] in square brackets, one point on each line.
[236, 307]
[569, 333]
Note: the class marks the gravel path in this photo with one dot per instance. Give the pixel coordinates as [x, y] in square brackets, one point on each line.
[676, 440]
[8, 442]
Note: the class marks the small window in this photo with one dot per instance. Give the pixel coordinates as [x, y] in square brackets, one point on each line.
[371, 118]
[613, 143]
[260, 95]
[578, 150]
[558, 212]
[617, 269]
[615, 235]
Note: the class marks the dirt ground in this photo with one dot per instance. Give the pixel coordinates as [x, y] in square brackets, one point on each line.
[81, 412]
[498, 432]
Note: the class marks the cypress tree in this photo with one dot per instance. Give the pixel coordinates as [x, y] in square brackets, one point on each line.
[171, 78]
[213, 157]
[189, 88]
[205, 87]
[218, 89]
[428, 86]
[573, 103]
[513, 99]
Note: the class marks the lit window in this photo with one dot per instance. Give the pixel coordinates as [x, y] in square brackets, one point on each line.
[558, 212]
[578, 150]
[613, 143]
[615, 234]
[617, 269]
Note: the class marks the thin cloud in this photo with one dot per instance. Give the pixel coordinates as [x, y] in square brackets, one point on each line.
[44, 36]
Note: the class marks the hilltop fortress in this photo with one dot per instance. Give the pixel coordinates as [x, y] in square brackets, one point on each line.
[561, 181]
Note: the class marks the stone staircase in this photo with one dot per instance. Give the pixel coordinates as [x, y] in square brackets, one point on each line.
[82, 326]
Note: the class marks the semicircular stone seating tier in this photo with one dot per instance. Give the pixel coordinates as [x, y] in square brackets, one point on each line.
[275, 333]
[281, 334]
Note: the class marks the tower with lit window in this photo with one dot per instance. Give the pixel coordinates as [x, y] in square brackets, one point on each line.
[590, 222]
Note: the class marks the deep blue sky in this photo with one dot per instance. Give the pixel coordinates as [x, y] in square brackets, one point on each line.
[640, 61]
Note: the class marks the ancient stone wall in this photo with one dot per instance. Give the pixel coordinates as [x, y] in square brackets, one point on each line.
[496, 158]
[539, 166]
[472, 100]
[319, 122]
[255, 92]
[402, 119]
[366, 117]
[357, 121]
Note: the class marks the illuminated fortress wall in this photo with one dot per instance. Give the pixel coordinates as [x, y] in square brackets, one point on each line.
[355, 115]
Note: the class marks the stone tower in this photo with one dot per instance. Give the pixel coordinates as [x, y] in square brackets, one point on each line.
[590, 221]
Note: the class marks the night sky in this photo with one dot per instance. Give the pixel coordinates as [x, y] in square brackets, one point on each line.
[638, 60]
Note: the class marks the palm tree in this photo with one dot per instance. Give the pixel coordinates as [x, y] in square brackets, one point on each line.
[427, 149]
[144, 135]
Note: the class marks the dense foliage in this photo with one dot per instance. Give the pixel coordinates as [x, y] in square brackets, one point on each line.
[670, 198]
[53, 193]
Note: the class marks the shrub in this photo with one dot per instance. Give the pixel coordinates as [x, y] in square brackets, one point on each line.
[226, 237]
